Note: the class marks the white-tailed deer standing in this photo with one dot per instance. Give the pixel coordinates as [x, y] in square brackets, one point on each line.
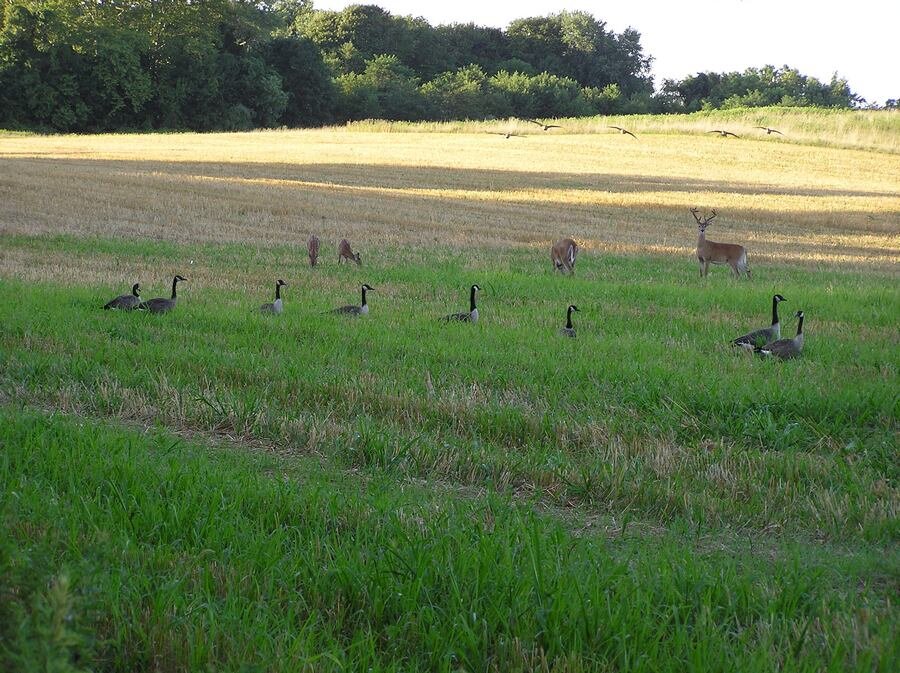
[346, 253]
[563, 254]
[312, 247]
[710, 252]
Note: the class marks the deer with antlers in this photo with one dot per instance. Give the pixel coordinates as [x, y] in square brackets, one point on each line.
[563, 255]
[710, 252]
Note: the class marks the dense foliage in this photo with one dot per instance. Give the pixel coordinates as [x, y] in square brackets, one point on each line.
[757, 88]
[71, 65]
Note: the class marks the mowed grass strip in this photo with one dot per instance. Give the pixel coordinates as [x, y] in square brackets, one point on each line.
[127, 550]
[649, 414]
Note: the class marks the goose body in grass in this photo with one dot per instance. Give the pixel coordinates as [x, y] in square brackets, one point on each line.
[362, 309]
[764, 335]
[162, 304]
[785, 349]
[276, 306]
[569, 329]
[466, 316]
[125, 302]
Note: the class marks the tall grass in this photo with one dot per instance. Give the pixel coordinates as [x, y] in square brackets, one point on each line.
[133, 551]
[877, 130]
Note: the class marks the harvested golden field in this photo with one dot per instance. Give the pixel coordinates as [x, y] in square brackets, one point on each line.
[790, 202]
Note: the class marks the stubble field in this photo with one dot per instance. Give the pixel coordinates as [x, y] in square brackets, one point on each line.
[215, 488]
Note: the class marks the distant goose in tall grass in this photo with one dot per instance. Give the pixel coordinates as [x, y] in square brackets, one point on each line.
[764, 335]
[362, 309]
[569, 330]
[545, 127]
[508, 134]
[768, 130]
[785, 349]
[623, 131]
[125, 302]
[471, 315]
[725, 134]
[275, 306]
[161, 304]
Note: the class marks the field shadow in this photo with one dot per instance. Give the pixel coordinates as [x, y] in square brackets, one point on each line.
[392, 176]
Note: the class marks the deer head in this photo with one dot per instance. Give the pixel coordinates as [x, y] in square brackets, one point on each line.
[703, 222]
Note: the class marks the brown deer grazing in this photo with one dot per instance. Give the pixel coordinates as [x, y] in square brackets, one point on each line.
[710, 252]
[563, 255]
[312, 247]
[345, 253]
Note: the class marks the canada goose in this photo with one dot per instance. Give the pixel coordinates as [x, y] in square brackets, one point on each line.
[161, 304]
[275, 306]
[568, 330]
[508, 134]
[362, 309]
[471, 315]
[768, 130]
[725, 134]
[785, 348]
[764, 335]
[544, 126]
[623, 131]
[126, 302]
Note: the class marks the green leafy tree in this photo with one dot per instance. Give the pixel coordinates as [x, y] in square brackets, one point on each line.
[464, 93]
[488, 48]
[757, 87]
[305, 79]
[605, 101]
[542, 95]
[396, 88]
[252, 84]
[121, 84]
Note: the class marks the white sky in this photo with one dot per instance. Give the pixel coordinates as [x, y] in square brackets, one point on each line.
[858, 39]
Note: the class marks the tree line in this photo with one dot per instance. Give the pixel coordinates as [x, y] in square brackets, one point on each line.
[105, 65]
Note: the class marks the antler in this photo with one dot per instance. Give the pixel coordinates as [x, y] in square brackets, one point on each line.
[694, 212]
[714, 213]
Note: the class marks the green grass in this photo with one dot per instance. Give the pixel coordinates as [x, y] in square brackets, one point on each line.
[648, 412]
[135, 550]
[439, 497]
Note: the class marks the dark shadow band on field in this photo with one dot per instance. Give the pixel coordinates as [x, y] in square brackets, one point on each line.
[398, 176]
